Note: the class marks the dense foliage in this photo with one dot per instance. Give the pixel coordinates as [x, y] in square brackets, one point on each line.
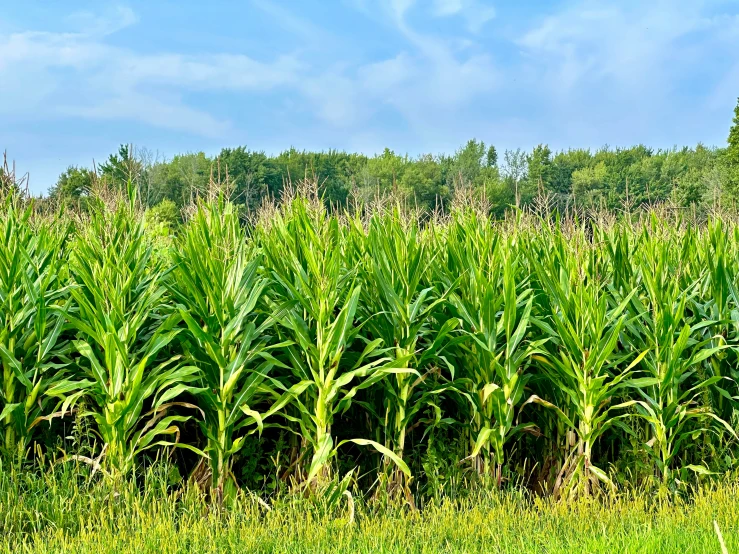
[382, 349]
[604, 178]
[698, 178]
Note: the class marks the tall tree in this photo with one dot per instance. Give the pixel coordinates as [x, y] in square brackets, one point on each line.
[732, 154]
[72, 184]
[514, 170]
[122, 166]
[540, 167]
[492, 156]
[183, 178]
[468, 161]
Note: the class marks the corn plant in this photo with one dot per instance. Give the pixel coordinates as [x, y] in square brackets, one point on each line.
[124, 375]
[304, 255]
[399, 305]
[717, 300]
[582, 361]
[496, 314]
[217, 286]
[32, 301]
[670, 391]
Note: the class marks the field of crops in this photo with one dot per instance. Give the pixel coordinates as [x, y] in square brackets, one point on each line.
[375, 357]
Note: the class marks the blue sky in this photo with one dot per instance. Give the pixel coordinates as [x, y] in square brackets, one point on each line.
[78, 78]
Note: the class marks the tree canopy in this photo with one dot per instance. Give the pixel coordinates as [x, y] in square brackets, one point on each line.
[608, 177]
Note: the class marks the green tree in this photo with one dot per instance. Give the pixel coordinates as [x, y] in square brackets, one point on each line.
[122, 166]
[564, 164]
[468, 163]
[72, 184]
[422, 183]
[492, 156]
[540, 167]
[514, 170]
[588, 184]
[385, 170]
[732, 155]
[252, 173]
[183, 178]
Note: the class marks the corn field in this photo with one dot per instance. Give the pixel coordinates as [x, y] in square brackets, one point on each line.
[399, 354]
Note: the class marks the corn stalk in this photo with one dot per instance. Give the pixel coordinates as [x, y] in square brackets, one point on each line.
[123, 373]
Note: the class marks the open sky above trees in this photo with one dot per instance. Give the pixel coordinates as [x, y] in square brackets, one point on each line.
[359, 76]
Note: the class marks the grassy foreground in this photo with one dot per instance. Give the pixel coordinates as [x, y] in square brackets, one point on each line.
[59, 513]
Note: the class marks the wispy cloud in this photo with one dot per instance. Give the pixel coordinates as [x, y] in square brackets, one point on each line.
[430, 75]
[628, 44]
[112, 20]
[82, 75]
[287, 19]
[630, 71]
[477, 14]
[148, 110]
[443, 8]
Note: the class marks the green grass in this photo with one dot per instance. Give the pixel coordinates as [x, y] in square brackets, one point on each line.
[56, 512]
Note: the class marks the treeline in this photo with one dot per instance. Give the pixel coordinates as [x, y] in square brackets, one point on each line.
[606, 178]
[699, 178]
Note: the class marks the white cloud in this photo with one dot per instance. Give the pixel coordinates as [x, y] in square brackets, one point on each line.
[476, 13]
[443, 8]
[46, 50]
[628, 44]
[385, 77]
[431, 75]
[214, 72]
[95, 24]
[630, 71]
[149, 110]
[335, 99]
[82, 75]
[287, 19]
[587, 70]
[400, 7]
[443, 79]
